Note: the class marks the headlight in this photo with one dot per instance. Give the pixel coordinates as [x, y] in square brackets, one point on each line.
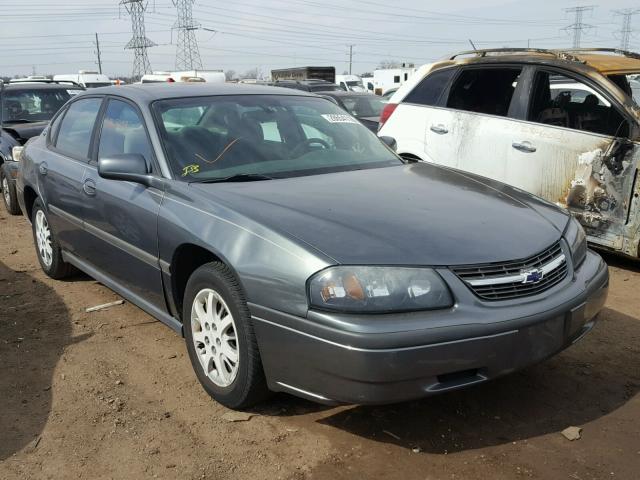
[378, 289]
[577, 240]
[16, 153]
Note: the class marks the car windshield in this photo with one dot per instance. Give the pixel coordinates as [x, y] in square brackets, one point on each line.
[363, 105]
[97, 84]
[209, 138]
[32, 105]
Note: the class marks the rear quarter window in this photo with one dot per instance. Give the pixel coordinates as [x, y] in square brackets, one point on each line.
[429, 91]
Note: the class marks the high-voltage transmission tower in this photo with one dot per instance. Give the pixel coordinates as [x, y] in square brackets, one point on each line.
[578, 26]
[626, 30]
[139, 43]
[187, 53]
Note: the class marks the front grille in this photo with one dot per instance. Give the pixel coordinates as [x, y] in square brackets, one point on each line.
[507, 280]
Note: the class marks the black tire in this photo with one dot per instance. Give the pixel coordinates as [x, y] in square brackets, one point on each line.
[10, 197]
[249, 386]
[57, 268]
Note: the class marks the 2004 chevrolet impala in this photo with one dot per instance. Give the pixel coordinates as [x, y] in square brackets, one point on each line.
[296, 252]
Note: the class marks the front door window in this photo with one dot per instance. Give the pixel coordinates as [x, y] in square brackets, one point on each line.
[565, 102]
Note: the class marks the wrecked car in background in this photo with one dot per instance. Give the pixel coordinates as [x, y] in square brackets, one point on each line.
[564, 125]
[26, 106]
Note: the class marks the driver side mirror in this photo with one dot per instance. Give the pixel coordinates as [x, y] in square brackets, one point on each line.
[389, 142]
[131, 167]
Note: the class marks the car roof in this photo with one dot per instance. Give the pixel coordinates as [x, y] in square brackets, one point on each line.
[40, 86]
[150, 92]
[605, 61]
[344, 93]
[610, 64]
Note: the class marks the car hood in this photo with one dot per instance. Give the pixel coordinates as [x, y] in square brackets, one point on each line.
[417, 214]
[24, 131]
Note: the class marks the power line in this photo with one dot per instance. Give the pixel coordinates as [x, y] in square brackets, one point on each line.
[626, 30]
[578, 26]
[187, 53]
[139, 43]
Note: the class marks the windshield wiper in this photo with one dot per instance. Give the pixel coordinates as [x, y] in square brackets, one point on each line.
[240, 177]
[19, 120]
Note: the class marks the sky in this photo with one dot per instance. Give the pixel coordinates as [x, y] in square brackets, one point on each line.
[57, 36]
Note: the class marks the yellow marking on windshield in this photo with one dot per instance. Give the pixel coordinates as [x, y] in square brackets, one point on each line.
[190, 169]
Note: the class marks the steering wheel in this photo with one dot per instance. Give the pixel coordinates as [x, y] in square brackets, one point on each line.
[305, 145]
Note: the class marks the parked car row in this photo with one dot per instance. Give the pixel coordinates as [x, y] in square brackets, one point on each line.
[296, 251]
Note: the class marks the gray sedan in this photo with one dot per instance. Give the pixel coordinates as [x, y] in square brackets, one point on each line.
[296, 252]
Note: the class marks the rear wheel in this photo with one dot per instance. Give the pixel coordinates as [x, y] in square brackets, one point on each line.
[220, 340]
[47, 248]
[9, 195]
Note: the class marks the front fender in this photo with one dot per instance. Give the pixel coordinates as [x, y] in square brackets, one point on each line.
[272, 267]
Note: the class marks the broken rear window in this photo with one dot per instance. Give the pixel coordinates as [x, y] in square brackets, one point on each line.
[429, 91]
[486, 91]
[565, 102]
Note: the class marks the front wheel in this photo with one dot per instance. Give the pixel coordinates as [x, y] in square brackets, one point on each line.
[222, 346]
[47, 248]
[9, 195]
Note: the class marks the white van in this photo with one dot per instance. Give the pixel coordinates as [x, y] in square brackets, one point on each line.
[368, 84]
[209, 76]
[350, 83]
[86, 79]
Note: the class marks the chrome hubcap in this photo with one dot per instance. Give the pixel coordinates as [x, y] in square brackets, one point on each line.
[5, 190]
[43, 238]
[214, 337]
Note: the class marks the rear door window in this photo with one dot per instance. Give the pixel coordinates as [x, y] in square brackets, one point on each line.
[565, 102]
[429, 90]
[74, 137]
[484, 90]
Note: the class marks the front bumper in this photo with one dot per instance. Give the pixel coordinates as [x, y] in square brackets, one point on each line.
[373, 359]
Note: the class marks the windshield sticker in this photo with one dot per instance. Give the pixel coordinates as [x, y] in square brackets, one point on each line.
[339, 118]
[190, 169]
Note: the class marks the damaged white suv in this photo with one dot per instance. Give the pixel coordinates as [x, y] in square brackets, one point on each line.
[564, 125]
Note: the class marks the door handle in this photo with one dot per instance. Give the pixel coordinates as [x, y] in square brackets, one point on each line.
[525, 147]
[89, 187]
[439, 129]
[42, 168]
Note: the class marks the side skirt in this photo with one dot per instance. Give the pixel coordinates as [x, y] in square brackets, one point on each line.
[152, 310]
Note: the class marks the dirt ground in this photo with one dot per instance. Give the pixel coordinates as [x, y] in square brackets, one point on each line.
[112, 395]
